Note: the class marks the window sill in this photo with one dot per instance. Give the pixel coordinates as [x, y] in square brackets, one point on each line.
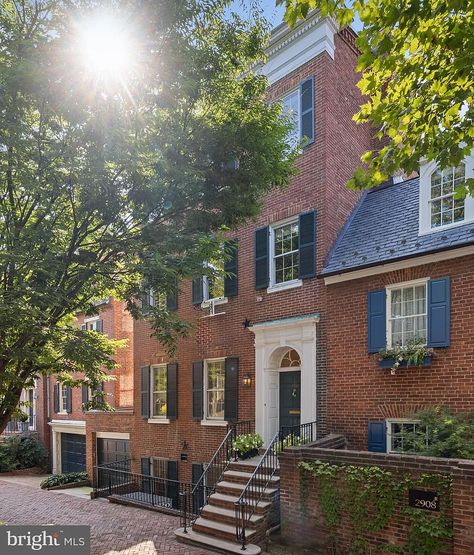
[213, 422]
[389, 362]
[218, 301]
[430, 230]
[285, 286]
[159, 421]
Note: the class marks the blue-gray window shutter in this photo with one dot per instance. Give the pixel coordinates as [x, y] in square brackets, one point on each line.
[377, 320]
[261, 258]
[172, 391]
[439, 312]
[198, 290]
[377, 437]
[307, 110]
[173, 485]
[307, 245]
[56, 397]
[85, 394]
[172, 300]
[145, 391]
[68, 399]
[230, 267]
[231, 391]
[198, 377]
[198, 497]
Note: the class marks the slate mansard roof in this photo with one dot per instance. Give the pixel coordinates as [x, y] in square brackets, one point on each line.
[383, 228]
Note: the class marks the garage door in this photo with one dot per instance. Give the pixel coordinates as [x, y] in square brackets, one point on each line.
[73, 453]
[111, 450]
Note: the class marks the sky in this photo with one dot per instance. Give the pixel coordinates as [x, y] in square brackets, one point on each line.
[272, 13]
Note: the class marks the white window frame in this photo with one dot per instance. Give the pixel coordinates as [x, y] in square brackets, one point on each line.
[152, 298]
[153, 416]
[298, 118]
[273, 286]
[62, 405]
[389, 422]
[388, 300]
[206, 299]
[207, 418]
[90, 324]
[426, 171]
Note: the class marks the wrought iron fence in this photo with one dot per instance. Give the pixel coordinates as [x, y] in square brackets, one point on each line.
[256, 487]
[115, 479]
[192, 502]
[16, 426]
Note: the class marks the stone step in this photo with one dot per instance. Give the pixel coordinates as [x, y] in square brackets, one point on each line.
[244, 466]
[212, 544]
[243, 477]
[233, 488]
[227, 516]
[219, 529]
[228, 502]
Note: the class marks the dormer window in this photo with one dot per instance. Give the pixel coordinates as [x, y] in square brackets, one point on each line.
[439, 208]
[445, 208]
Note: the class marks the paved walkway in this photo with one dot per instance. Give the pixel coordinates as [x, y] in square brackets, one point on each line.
[115, 529]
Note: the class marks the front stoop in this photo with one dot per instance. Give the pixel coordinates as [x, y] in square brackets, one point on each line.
[214, 530]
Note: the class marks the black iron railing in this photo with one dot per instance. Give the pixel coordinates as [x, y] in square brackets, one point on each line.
[192, 502]
[16, 426]
[256, 487]
[116, 479]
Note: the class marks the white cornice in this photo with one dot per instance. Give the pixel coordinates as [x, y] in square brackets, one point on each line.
[400, 265]
[291, 48]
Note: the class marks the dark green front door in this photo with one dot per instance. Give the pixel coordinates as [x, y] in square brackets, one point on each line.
[73, 453]
[290, 398]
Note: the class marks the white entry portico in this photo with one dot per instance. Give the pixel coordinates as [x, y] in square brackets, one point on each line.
[272, 340]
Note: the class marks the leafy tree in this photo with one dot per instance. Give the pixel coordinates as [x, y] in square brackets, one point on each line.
[115, 181]
[417, 74]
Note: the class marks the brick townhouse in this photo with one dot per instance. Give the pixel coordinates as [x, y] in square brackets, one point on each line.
[400, 270]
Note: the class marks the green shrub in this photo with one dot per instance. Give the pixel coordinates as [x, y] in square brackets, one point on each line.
[22, 452]
[246, 442]
[7, 462]
[60, 479]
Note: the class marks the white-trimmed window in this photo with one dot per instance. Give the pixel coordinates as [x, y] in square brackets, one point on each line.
[406, 313]
[151, 299]
[93, 325]
[214, 389]
[291, 104]
[63, 394]
[439, 209]
[213, 287]
[445, 209]
[284, 252]
[406, 436]
[159, 468]
[159, 396]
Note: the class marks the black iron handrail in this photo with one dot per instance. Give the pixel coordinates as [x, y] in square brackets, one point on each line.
[193, 502]
[246, 505]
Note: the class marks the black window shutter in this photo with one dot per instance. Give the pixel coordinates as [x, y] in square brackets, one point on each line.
[307, 110]
[377, 436]
[173, 486]
[231, 394]
[198, 377]
[307, 245]
[261, 258]
[172, 391]
[68, 399]
[230, 266]
[198, 290]
[439, 312]
[85, 393]
[83, 327]
[145, 469]
[377, 320]
[56, 397]
[172, 300]
[100, 326]
[145, 391]
[198, 499]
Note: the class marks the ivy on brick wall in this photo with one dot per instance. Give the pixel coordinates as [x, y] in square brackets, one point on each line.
[371, 497]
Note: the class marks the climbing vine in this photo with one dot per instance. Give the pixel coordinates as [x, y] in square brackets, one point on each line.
[370, 497]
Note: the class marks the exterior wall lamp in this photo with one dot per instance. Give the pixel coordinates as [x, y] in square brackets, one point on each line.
[247, 380]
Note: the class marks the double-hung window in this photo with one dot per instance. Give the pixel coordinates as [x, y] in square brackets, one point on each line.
[63, 395]
[407, 314]
[291, 104]
[213, 286]
[445, 209]
[214, 385]
[284, 253]
[159, 391]
[93, 325]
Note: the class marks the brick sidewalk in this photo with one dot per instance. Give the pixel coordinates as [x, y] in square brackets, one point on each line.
[115, 529]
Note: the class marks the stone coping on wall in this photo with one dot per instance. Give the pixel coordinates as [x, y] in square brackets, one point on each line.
[454, 467]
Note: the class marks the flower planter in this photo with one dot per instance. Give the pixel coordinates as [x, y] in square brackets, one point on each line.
[389, 362]
[248, 454]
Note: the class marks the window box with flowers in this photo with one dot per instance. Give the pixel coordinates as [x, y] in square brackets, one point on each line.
[413, 354]
[247, 445]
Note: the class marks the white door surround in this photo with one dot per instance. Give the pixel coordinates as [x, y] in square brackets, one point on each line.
[67, 427]
[272, 340]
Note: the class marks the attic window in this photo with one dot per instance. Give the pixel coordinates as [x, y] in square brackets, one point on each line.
[445, 209]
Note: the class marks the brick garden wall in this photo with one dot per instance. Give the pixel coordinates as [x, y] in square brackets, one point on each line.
[359, 390]
[303, 521]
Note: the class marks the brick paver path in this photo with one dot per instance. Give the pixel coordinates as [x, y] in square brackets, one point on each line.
[115, 529]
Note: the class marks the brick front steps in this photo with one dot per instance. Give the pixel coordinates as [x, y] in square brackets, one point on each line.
[214, 529]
